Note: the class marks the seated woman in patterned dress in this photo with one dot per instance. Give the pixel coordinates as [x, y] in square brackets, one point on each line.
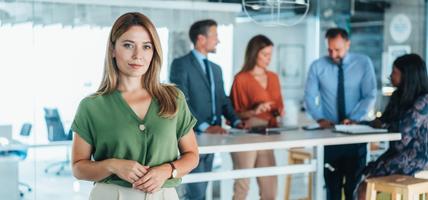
[407, 113]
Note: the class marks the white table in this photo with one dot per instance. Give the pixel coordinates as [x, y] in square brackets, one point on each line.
[10, 155]
[51, 144]
[8, 166]
[299, 138]
[9, 181]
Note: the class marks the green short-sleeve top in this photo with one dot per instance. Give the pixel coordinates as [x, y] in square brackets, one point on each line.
[114, 130]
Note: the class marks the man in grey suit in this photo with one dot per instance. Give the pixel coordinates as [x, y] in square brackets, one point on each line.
[202, 83]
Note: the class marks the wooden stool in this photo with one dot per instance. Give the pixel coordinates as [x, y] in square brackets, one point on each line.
[422, 174]
[396, 185]
[298, 156]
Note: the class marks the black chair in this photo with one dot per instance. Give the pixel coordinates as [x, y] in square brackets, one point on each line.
[25, 132]
[56, 133]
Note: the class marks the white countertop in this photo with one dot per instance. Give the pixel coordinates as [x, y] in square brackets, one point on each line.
[212, 143]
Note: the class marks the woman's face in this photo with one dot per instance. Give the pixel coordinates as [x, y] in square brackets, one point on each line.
[133, 52]
[264, 56]
[395, 77]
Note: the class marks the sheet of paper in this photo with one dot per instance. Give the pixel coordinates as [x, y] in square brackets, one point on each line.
[358, 128]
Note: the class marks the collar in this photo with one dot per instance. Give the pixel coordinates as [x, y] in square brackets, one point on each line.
[345, 59]
[198, 55]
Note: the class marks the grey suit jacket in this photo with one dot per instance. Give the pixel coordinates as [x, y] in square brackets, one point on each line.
[187, 74]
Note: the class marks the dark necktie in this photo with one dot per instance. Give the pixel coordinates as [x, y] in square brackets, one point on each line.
[341, 108]
[207, 70]
[207, 73]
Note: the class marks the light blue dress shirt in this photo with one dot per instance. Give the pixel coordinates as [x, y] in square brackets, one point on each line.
[360, 87]
[200, 57]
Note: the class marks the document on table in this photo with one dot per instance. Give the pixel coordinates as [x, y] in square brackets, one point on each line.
[358, 129]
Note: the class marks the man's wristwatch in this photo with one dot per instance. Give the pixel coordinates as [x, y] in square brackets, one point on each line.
[174, 170]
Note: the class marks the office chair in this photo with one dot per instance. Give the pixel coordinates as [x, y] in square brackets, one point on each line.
[56, 133]
[25, 131]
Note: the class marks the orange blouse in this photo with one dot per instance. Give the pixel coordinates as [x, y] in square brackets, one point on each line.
[247, 93]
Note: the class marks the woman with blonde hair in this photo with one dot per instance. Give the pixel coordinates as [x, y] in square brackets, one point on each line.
[134, 137]
[256, 97]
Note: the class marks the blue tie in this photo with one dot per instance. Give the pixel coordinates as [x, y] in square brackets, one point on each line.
[341, 108]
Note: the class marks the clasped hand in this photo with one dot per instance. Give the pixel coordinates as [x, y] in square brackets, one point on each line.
[153, 180]
[144, 178]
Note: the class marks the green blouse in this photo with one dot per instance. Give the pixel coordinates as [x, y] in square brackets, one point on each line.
[114, 130]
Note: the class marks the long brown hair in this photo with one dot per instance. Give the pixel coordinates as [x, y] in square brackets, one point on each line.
[165, 94]
[255, 45]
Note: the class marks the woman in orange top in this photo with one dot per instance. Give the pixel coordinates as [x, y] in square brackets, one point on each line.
[256, 97]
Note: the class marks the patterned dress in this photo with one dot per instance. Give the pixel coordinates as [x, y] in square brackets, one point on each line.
[409, 155]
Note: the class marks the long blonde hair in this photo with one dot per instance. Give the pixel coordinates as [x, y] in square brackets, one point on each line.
[165, 94]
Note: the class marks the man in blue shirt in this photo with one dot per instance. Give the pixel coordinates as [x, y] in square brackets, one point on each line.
[202, 83]
[341, 89]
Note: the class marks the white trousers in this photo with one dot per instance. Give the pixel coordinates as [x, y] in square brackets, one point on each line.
[103, 191]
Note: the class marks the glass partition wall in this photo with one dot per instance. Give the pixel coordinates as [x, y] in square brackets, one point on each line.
[383, 30]
[53, 53]
[53, 56]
